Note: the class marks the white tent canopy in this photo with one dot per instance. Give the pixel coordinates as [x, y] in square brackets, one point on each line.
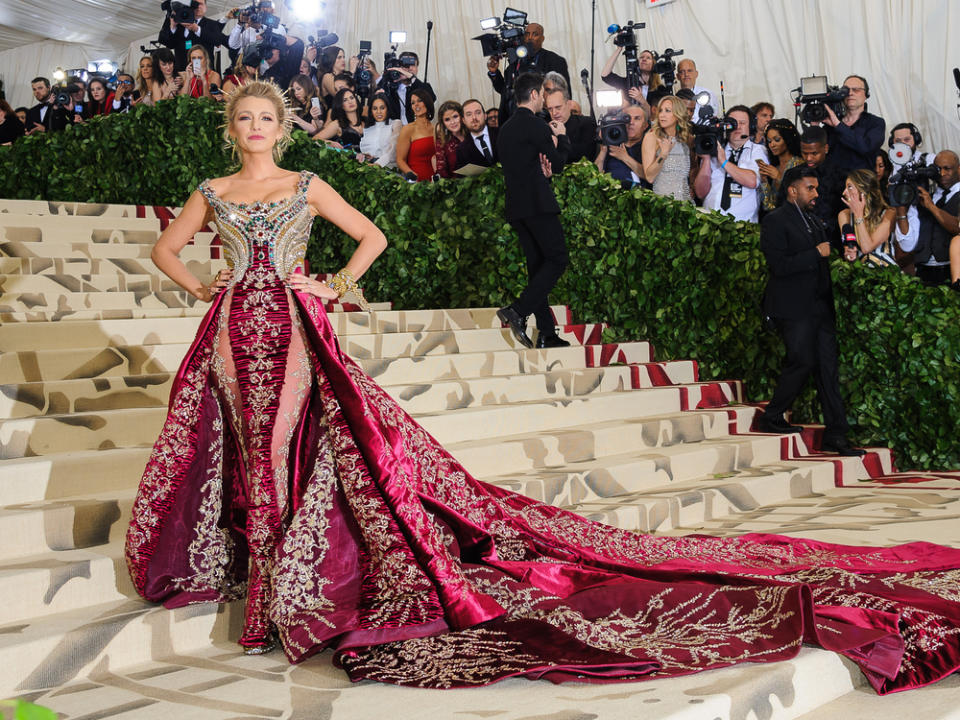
[758, 48]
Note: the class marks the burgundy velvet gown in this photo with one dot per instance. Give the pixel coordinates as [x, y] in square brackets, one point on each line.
[286, 475]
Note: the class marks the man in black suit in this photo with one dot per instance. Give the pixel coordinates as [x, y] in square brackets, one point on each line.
[815, 151]
[399, 82]
[531, 151]
[800, 300]
[537, 60]
[480, 145]
[46, 115]
[203, 31]
[581, 131]
[283, 62]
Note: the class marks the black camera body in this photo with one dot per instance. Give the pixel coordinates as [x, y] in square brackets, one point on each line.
[508, 38]
[613, 128]
[625, 36]
[666, 68]
[903, 190]
[816, 95]
[62, 96]
[710, 132]
[182, 13]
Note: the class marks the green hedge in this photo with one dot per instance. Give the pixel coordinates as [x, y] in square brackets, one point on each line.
[653, 268]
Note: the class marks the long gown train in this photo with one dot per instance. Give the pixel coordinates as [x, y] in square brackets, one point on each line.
[286, 475]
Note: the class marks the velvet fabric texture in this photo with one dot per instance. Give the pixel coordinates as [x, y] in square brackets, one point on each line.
[285, 475]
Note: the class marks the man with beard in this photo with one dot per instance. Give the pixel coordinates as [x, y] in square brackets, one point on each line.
[479, 147]
[799, 300]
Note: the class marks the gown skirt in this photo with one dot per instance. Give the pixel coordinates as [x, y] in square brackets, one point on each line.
[286, 476]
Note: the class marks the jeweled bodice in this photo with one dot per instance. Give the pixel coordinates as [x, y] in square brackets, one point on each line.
[276, 232]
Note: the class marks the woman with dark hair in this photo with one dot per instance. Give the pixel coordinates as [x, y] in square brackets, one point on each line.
[332, 63]
[415, 146]
[99, 98]
[448, 136]
[166, 82]
[144, 81]
[884, 169]
[10, 125]
[345, 127]
[783, 147]
[302, 95]
[379, 142]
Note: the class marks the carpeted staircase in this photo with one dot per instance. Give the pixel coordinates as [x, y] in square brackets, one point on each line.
[91, 336]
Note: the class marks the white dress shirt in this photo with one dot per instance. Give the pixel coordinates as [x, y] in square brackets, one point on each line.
[380, 141]
[747, 205]
[908, 240]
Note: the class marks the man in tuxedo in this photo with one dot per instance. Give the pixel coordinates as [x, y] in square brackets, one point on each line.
[581, 131]
[531, 151]
[480, 145]
[46, 115]
[203, 31]
[815, 151]
[799, 300]
[537, 60]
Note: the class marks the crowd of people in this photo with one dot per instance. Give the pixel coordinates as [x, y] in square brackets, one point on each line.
[392, 118]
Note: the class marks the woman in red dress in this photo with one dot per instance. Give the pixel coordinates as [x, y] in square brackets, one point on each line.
[286, 475]
[415, 146]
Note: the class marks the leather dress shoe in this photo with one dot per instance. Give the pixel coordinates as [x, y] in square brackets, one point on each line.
[768, 424]
[840, 446]
[551, 341]
[517, 325]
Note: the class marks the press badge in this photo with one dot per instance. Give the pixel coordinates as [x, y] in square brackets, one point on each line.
[736, 190]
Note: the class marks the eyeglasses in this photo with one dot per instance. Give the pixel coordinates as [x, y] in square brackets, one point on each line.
[125, 82]
[855, 89]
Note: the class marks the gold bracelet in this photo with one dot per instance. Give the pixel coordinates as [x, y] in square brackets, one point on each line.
[344, 282]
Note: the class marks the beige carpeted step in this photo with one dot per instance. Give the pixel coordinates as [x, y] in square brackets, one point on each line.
[86, 249]
[58, 283]
[74, 209]
[82, 265]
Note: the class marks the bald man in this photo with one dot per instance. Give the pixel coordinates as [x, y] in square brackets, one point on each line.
[538, 59]
[687, 74]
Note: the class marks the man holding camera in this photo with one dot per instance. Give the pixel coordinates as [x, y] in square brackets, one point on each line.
[799, 300]
[282, 57]
[398, 82]
[623, 162]
[47, 115]
[581, 131]
[537, 59]
[728, 182]
[855, 139]
[249, 28]
[181, 36]
[531, 152]
[927, 235]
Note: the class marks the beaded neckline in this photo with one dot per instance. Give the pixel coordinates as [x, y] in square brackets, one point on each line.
[301, 186]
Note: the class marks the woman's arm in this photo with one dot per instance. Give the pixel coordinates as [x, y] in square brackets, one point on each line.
[403, 148]
[192, 219]
[329, 131]
[328, 204]
[653, 152]
[185, 77]
[871, 240]
[326, 84]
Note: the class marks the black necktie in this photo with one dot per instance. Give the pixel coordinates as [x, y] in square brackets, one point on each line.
[942, 201]
[728, 180]
[485, 149]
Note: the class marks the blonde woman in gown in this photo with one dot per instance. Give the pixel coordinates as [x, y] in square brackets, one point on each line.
[287, 478]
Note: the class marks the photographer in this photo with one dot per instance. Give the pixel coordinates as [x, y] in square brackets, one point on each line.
[250, 26]
[537, 59]
[282, 58]
[398, 82]
[625, 162]
[581, 131]
[182, 37]
[650, 89]
[856, 138]
[687, 74]
[728, 182]
[927, 234]
[47, 115]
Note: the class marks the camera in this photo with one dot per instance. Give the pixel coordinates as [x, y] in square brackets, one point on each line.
[903, 186]
[613, 128]
[63, 95]
[710, 131]
[182, 14]
[666, 68]
[815, 95]
[508, 40]
[626, 37]
[362, 77]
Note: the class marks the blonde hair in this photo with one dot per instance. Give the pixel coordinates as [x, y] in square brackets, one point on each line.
[875, 204]
[206, 55]
[684, 133]
[265, 90]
